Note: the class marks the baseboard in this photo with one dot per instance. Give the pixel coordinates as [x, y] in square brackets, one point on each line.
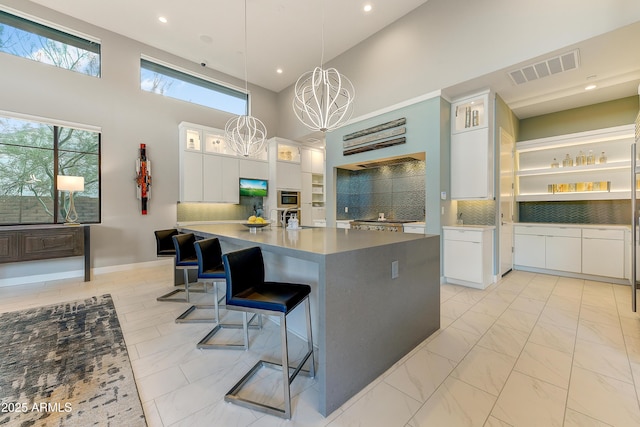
[72, 274]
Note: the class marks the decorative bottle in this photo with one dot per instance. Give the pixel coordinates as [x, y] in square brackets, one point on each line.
[591, 158]
[603, 158]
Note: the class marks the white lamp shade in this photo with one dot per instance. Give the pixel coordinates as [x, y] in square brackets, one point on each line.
[70, 183]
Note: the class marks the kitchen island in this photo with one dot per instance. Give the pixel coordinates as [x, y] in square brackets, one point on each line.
[375, 296]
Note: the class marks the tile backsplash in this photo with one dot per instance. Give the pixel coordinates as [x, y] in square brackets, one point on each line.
[218, 211]
[397, 190]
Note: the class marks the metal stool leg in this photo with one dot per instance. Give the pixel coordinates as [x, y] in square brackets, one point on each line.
[232, 395]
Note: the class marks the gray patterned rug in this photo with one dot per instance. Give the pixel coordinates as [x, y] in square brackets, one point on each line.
[66, 365]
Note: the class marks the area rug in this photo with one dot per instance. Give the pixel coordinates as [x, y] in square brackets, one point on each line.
[66, 365]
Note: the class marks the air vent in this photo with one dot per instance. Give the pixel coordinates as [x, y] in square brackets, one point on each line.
[389, 162]
[558, 64]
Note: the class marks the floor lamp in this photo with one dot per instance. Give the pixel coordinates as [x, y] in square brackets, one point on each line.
[71, 184]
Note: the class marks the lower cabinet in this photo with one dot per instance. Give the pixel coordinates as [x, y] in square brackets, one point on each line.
[572, 249]
[467, 254]
[603, 252]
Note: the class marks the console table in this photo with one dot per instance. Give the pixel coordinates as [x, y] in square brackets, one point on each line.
[37, 242]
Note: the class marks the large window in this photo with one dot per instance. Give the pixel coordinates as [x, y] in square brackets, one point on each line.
[169, 82]
[28, 39]
[32, 155]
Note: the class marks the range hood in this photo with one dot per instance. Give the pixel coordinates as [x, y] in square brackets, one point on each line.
[386, 161]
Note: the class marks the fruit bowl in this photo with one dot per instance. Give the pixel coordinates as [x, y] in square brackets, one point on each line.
[255, 225]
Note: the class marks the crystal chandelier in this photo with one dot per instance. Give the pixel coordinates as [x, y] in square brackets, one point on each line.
[246, 135]
[323, 98]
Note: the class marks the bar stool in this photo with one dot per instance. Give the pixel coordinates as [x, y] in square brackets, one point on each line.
[211, 269]
[165, 248]
[185, 260]
[247, 291]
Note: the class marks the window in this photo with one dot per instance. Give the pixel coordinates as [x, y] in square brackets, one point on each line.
[28, 39]
[32, 155]
[166, 81]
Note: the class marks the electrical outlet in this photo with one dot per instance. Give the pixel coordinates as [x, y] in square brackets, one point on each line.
[346, 209]
[394, 269]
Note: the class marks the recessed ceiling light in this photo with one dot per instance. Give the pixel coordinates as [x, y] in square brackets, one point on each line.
[279, 71]
[162, 19]
[590, 87]
[367, 8]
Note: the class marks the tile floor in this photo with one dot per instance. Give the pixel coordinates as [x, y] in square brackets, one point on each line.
[532, 350]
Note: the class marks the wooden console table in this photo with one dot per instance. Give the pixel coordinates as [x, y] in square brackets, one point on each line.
[37, 242]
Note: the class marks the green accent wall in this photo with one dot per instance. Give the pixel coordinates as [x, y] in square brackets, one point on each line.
[597, 116]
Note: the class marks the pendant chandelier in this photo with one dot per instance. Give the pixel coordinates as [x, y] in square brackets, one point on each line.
[246, 135]
[323, 98]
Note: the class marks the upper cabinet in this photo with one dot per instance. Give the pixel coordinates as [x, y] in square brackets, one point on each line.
[472, 159]
[288, 152]
[209, 169]
[469, 113]
[593, 165]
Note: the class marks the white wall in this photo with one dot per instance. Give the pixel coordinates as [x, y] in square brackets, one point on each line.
[447, 42]
[128, 117]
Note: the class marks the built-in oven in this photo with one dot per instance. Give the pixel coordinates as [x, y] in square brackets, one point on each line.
[288, 199]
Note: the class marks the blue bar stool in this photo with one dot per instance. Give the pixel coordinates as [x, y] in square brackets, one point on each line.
[211, 270]
[247, 291]
[185, 260]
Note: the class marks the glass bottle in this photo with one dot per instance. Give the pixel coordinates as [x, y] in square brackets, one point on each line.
[591, 158]
[555, 163]
[580, 159]
[568, 161]
[603, 158]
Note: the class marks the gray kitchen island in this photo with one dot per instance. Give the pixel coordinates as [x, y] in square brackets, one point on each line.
[375, 295]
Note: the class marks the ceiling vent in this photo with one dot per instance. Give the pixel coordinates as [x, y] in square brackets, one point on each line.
[558, 64]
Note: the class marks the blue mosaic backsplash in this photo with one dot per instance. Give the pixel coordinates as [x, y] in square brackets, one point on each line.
[577, 212]
[397, 190]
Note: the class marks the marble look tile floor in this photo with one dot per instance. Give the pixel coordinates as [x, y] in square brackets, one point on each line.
[531, 350]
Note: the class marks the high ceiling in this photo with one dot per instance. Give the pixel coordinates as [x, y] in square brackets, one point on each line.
[286, 34]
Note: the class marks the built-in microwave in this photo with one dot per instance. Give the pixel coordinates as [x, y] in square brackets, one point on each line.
[288, 199]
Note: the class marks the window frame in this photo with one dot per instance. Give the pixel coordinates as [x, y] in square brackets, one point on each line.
[58, 218]
[186, 76]
[57, 33]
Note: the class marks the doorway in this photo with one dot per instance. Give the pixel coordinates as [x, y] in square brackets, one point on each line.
[506, 201]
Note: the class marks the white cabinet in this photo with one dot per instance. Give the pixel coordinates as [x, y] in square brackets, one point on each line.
[208, 171]
[312, 160]
[414, 227]
[548, 247]
[563, 250]
[585, 250]
[472, 159]
[593, 165]
[468, 256]
[288, 176]
[603, 252]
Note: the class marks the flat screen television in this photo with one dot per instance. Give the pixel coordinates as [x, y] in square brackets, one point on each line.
[253, 187]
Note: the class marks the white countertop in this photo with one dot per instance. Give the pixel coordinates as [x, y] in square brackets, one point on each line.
[470, 227]
[555, 224]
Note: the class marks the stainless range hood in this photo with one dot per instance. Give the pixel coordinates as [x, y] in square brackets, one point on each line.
[386, 161]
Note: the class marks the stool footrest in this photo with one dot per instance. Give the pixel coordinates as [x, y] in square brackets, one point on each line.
[232, 395]
[205, 344]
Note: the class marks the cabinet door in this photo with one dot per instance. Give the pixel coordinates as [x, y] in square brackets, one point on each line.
[603, 257]
[463, 260]
[253, 169]
[230, 180]
[212, 178]
[288, 175]
[563, 253]
[191, 174]
[307, 188]
[470, 165]
[317, 162]
[529, 250]
[306, 160]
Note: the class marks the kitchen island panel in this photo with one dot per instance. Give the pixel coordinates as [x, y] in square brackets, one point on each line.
[363, 320]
